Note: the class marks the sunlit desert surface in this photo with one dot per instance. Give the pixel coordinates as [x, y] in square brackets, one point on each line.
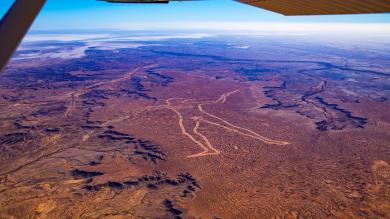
[146, 125]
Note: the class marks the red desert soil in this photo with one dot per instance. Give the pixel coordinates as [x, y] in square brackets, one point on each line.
[152, 142]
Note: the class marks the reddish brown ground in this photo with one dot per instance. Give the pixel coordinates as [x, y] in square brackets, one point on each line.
[188, 145]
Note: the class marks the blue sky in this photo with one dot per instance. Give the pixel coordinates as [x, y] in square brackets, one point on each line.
[80, 14]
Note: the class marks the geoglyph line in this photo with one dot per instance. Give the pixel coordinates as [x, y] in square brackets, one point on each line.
[206, 152]
[183, 129]
[206, 146]
[222, 99]
[261, 138]
[253, 134]
[197, 137]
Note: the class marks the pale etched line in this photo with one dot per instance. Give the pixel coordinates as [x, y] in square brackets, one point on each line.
[206, 152]
[260, 137]
[205, 138]
[236, 131]
[209, 147]
[183, 129]
[223, 98]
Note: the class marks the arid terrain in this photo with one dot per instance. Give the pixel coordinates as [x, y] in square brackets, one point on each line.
[145, 125]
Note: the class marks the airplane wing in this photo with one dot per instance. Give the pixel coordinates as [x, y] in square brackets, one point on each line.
[15, 24]
[321, 7]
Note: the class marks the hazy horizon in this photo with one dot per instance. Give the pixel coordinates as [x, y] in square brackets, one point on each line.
[217, 15]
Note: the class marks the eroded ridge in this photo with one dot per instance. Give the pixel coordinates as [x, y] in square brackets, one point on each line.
[200, 139]
[75, 95]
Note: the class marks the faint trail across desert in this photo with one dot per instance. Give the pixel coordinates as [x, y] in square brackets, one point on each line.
[76, 94]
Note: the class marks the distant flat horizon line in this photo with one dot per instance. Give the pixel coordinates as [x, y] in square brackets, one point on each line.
[320, 27]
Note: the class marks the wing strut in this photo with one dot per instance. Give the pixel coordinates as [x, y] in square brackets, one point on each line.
[15, 24]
